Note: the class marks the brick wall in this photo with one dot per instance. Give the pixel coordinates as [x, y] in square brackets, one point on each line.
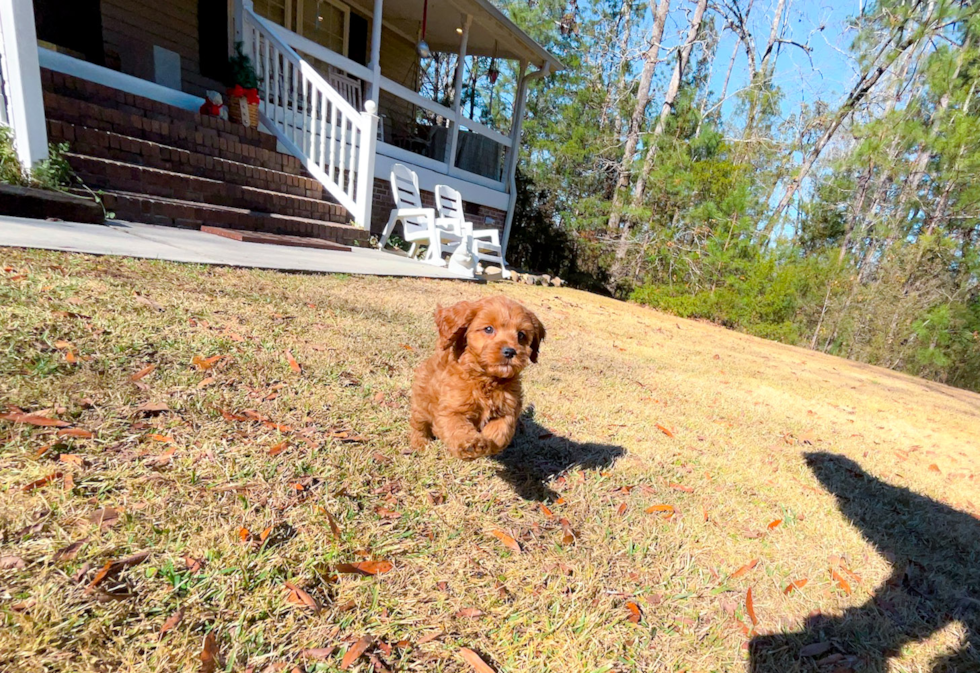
[383, 203]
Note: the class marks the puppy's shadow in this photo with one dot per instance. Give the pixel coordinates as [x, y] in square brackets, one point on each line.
[536, 456]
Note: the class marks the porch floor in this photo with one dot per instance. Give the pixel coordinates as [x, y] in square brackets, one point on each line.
[128, 239]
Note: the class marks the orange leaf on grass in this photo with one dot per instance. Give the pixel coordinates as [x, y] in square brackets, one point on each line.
[264, 535]
[635, 613]
[297, 595]
[334, 526]
[665, 430]
[42, 482]
[750, 608]
[507, 540]
[795, 584]
[841, 582]
[244, 534]
[33, 419]
[278, 448]
[467, 613]
[666, 510]
[934, 468]
[744, 569]
[407, 347]
[365, 567]
[773, 524]
[172, 622]
[78, 433]
[621, 510]
[681, 487]
[546, 511]
[355, 652]
[319, 652]
[166, 439]
[70, 357]
[475, 661]
[141, 373]
[386, 513]
[209, 654]
[205, 363]
[193, 564]
[292, 362]
[228, 416]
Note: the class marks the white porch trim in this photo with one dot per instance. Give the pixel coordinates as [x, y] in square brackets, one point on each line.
[22, 81]
[428, 179]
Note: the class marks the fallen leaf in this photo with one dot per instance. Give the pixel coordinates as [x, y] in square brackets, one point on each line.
[12, 563]
[750, 608]
[795, 584]
[666, 510]
[814, 649]
[841, 582]
[334, 526]
[228, 416]
[300, 596]
[569, 534]
[278, 448]
[355, 651]
[209, 654]
[69, 552]
[547, 512]
[319, 652]
[192, 564]
[475, 661]
[33, 419]
[467, 613]
[69, 482]
[172, 621]
[165, 439]
[665, 430]
[71, 459]
[407, 347]
[105, 517]
[244, 534]
[385, 513]
[621, 510]
[429, 637]
[292, 363]
[70, 357]
[934, 468]
[635, 613]
[507, 541]
[365, 567]
[77, 433]
[152, 408]
[206, 382]
[43, 481]
[205, 363]
[141, 373]
[773, 524]
[680, 487]
[744, 569]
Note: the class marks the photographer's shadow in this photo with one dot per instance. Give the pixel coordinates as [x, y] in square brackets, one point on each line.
[536, 456]
[935, 553]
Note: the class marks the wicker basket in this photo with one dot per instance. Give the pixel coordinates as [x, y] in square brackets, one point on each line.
[240, 111]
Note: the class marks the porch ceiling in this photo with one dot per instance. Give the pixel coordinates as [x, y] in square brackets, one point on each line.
[491, 32]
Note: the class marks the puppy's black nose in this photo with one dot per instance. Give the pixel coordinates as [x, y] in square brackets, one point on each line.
[508, 352]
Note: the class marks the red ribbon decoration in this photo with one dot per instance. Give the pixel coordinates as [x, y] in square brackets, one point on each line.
[250, 95]
[210, 109]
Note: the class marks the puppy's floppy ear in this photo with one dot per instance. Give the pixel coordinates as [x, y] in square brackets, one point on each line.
[452, 322]
[537, 337]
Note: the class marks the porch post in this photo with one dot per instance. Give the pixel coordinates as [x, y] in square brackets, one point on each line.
[375, 64]
[515, 135]
[458, 93]
[22, 81]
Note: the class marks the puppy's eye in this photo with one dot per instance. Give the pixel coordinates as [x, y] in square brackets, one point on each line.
[521, 337]
[488, 329]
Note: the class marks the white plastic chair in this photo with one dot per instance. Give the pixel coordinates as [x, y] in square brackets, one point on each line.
[418, 222]
[486, 242]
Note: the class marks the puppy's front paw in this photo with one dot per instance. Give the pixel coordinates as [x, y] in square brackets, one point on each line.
[417, 440]
[477, 448]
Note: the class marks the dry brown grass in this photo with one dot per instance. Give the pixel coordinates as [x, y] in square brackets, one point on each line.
[743, 413]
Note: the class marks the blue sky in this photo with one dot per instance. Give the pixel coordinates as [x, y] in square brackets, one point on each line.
[828, 76]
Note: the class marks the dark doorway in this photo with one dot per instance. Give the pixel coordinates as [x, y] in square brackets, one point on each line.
[212, 38]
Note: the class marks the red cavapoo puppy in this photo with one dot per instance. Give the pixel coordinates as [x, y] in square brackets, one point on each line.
[468, 394]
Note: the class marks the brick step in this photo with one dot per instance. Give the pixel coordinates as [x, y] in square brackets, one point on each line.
[117, 147]
[75, 89]
[108, 174]
[202, 135]
[193, 215]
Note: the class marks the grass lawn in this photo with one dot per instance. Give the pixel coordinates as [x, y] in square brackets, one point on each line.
[666, 469]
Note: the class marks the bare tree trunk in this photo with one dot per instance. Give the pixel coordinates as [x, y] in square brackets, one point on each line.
[650, 60]
[624, 29]
[724, 86]
[672, 90]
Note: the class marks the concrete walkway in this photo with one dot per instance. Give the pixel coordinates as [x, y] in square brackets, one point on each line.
[127, 239]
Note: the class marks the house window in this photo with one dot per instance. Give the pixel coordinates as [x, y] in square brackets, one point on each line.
[326, 22]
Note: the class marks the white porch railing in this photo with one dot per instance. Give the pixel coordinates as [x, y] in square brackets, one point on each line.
[312, 120]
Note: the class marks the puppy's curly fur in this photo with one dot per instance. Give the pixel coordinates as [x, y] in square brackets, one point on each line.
[468, 394]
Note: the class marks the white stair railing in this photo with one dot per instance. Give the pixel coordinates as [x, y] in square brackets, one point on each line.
[336, 142]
